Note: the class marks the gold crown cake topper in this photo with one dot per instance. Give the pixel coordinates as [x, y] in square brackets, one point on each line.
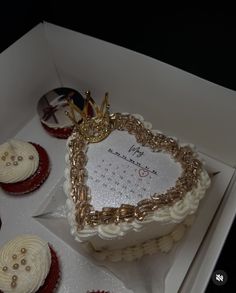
[93, 128]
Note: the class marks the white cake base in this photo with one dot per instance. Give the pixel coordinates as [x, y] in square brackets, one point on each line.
[149, 247]
[161, 227]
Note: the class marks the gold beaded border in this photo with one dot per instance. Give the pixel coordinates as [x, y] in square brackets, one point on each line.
[85, 214]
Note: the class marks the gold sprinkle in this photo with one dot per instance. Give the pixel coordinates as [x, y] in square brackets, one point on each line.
[23, 262]
[3, 158]
[6, 153]
[14, 278]
[20, 158]
[28, 268]
[14, 256]
[31, 157]
[5, 269]
[23, 250]
[13, 284]
[15, 266]
[8, 164]
[15, 163]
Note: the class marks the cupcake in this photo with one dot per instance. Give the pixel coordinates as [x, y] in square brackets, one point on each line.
[28, 265]
[52, 108]
[24, 166]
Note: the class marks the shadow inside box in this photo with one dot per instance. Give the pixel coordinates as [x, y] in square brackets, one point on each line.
[53, 215]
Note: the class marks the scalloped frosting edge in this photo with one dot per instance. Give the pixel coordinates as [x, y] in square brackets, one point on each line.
[162, 244]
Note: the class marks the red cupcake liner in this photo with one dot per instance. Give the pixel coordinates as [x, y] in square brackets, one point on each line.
[53, 277]
[58, 132]
[33, 182]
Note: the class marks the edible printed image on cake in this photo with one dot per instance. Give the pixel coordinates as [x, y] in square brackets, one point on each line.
[52, 109]
[24, 166]
[131, 190]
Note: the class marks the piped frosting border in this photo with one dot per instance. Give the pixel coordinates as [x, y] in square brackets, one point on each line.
[163, 244]
[173, 213]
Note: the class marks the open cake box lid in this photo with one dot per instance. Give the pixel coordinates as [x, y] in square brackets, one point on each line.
[176, 102]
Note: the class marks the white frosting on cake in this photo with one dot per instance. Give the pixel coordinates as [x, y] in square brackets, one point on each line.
[24, 264]
[163, 244]
[18, 161]
[178, 233]
[176, 213]
[167, 215]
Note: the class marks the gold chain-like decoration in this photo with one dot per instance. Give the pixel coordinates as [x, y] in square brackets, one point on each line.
[86, 214]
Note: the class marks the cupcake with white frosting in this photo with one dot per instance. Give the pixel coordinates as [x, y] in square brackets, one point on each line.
[24, 166]
[28, 265]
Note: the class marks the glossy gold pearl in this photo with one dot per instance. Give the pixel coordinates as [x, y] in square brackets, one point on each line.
[23, 262]
[3, 158]
[15, 163]
[14, 278]
[8, 164]
[14, 256]
[13, 284]
[28, 268]
[15, 266]
[23, 250]
[6, 154]
[19, 158]
[5, 269]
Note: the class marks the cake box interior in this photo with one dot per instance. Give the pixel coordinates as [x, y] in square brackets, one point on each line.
[176, 103]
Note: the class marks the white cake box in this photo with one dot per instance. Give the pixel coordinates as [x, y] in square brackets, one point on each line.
[176, 102]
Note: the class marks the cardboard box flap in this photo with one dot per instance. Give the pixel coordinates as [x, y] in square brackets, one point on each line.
[26, 73]
[177, 102]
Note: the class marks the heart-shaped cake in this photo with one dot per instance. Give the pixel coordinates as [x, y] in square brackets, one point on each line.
[131, 190]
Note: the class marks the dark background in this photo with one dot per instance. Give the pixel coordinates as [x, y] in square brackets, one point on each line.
[202, 43]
